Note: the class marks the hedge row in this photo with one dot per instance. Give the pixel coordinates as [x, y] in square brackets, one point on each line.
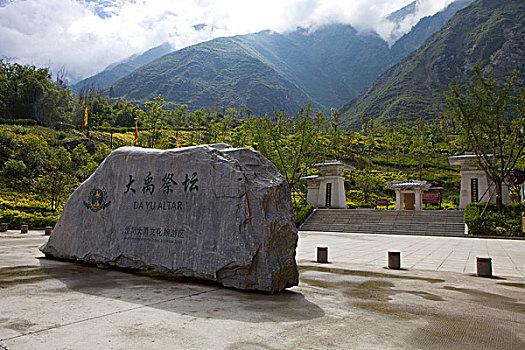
[18, 121]
[15, 218]
[122, 130]
[494, 223]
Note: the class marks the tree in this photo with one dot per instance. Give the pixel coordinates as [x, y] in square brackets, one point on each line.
[35, 153]
[367, 183]
[54, 106]
[180, 117]
[59, 181]
[124, 113]
[154, 117]
[420, 147]
[292, 147]
[21, 88]
[335, 133]
[491, 116]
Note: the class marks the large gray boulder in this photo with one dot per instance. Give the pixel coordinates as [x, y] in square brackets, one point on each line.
[210, 212]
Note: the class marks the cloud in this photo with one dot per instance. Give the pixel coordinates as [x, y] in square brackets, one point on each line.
[391, 31]
[87, 35]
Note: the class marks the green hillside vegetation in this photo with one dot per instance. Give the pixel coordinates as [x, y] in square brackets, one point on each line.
[39, 172]
[43, 160]
[487, 33]
[40, 168]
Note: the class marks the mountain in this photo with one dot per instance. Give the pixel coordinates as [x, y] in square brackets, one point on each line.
[487, 33]
[264, 71]
[218, 73]
[399, 15]
[425, 28]
[329, 64]
[268, 71]
[117, 70]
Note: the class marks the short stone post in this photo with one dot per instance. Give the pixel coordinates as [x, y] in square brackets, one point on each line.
[48, 230]
[24, 228]
[484, 267]
[322, 254]
[3, 227]
[394, 260]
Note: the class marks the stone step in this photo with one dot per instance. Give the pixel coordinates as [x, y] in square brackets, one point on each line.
[434, 223]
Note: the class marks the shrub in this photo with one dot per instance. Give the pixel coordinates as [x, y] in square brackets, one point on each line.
[14, 168]
[494, 223]
[18, 121]
[15, 218]
[449, 206]
[301, 212]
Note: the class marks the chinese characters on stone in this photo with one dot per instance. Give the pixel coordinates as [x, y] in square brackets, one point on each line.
[152, 233]
[168, 183]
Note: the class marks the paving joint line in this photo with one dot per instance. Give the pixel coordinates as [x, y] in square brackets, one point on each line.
[449, 254]
[108, 314]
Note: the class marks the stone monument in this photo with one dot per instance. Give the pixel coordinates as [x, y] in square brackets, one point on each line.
[327, 190]
[475, 184]
[210, 212]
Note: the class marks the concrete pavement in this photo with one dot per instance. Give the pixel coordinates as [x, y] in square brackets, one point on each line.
[351, 303]
[417, 252]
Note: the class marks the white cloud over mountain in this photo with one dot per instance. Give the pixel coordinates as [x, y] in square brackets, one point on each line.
[87, 35]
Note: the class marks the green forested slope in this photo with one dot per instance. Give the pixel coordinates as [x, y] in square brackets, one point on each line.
[488, 33]
[217, 73]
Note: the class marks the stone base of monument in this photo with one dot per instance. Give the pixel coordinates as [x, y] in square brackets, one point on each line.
[209, 212]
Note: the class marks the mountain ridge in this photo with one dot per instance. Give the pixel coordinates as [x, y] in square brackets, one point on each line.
[325, 68]
[484, 33]
[119, 69]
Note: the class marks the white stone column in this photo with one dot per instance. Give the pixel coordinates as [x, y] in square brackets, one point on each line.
[339, 194]
[399, 200]
[419, 199]
[312, 197]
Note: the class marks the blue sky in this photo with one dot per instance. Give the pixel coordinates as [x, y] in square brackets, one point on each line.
[85, 36]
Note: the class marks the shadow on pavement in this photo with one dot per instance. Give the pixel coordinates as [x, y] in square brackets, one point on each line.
[177, 294]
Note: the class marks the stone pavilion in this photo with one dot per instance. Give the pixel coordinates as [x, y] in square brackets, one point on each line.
[409, 194]
[327, 189]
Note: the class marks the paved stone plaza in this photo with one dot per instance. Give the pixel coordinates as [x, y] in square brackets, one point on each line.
[417, 252]
[353, 302]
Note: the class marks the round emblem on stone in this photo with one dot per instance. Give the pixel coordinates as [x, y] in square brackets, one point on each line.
[97, 200]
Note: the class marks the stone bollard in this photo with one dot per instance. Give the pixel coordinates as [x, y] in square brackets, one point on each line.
[24, 228]
[48, 230]
[484, 267]
[394, 260]
[3, 227]
[322, 254]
